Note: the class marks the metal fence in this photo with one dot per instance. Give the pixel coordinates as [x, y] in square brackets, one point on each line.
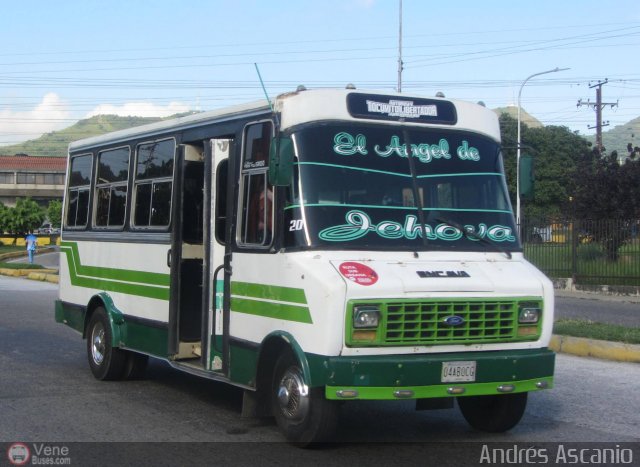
[589, 251]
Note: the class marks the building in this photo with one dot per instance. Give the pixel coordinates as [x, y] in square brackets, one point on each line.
[39, 178]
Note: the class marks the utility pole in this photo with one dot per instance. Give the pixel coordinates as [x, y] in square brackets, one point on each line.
[598, 105]
[400, 49]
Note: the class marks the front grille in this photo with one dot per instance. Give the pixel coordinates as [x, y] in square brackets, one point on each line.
[479, 321]
[424, 323]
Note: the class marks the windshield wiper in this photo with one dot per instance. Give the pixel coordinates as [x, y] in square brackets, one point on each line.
[474, 236]
[417, 199]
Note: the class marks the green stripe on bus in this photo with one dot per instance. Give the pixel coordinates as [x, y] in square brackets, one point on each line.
[268, 292]
[109, 279]
[127, 275]
[265, 309]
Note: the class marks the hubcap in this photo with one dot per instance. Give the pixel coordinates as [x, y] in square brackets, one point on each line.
[98, 344]
[293, 395]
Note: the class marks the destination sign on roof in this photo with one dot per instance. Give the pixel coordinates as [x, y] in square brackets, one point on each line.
[410, 109]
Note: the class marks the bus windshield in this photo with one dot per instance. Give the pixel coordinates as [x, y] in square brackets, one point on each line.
[354, 189]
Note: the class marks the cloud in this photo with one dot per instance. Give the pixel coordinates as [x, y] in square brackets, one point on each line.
[139, 109]
[16, 126]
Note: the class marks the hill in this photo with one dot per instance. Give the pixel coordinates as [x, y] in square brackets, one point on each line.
[56, 143]
[525, 118]
[617, 138]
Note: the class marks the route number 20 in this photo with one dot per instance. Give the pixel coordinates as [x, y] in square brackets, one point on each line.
[296, 224]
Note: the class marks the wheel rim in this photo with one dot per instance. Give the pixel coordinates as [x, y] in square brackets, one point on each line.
[293, 395]
[98, 344]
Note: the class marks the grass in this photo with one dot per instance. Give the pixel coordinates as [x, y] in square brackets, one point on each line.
[20, 266]
[11, 248]
[593, 330]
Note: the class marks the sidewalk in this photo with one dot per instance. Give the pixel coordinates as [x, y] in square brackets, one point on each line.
[597, 296]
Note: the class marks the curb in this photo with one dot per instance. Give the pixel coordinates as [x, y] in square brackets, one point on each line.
[568, 285]
[583, 347]
[44, 277]
[48, 275]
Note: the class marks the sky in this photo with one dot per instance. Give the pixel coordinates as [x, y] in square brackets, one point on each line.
[67, 60]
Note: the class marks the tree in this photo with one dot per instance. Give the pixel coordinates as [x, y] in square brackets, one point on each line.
[54, 213]
[556, 151]
[4, 218]
[607, 190]
[25, 216]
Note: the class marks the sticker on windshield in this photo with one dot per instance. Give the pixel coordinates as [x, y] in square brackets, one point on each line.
[358, 273]
[345, 144]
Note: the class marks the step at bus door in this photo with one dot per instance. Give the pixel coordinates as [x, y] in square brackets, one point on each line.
[219, 267]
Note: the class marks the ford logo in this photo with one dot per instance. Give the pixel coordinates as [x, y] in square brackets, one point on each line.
[454, 320]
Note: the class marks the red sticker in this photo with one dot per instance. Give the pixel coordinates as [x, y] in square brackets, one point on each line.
[359, 273]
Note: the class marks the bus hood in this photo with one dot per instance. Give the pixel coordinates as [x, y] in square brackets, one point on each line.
[382, 278]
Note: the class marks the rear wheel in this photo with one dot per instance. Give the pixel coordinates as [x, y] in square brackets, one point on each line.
[303, 414]
[105, 361]
[496, 413]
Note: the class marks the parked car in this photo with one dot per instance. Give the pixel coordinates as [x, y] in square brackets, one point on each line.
[47, 229]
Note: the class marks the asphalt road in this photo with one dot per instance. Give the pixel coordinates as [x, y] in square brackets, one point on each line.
[47, 394]
[602, 309]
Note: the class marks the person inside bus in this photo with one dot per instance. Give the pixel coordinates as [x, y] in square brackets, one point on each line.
[260, 213]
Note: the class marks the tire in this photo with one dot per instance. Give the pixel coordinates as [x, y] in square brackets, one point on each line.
[494, 414]
[303, 414]
[106, 362]
[135, 365]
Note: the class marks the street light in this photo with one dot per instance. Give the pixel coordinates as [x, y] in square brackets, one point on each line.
[518, 148]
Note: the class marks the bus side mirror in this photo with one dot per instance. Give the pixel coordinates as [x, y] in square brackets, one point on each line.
[526, 177]
[280, 161]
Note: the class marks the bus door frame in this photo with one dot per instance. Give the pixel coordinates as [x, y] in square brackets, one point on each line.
[217, 270]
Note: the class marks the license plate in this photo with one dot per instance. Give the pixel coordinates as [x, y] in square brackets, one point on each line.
[457, 372]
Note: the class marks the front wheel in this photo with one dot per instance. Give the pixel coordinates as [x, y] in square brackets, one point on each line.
[496, 413]
[303, 414]
[105, 361]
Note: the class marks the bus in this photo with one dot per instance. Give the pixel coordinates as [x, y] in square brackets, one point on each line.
[333, 245]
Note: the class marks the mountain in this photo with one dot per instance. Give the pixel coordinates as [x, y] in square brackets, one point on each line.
[56, 143]
[617, 138]
[512, 110]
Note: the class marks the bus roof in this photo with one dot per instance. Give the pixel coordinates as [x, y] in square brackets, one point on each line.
[304, 106]
[385, 107]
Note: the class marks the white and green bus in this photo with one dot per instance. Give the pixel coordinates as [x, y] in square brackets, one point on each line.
[334, 245]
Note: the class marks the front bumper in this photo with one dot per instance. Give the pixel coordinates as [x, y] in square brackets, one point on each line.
[419, 376]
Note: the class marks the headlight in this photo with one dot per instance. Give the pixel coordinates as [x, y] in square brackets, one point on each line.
[366, 317]
[529, 315]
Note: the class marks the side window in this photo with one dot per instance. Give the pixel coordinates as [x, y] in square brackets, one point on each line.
[256, 223]
[111, 188]
[153, 184]
[78, 192]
